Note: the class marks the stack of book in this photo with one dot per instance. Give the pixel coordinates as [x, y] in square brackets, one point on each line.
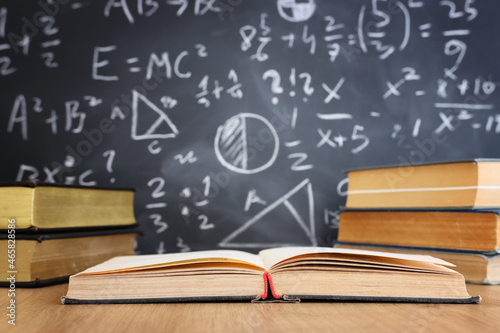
[447, 210]
[48, 231]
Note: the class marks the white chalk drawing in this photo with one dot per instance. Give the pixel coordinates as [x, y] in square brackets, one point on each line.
[156, 205]
[298, 164]
[157, 221]
[296, 10]
[236, 144]
[182, 246]
[332, 219]
[253, 198]
[154, 147]
[92, 100]
[110, 155]
[168, 102]
[188, 158]
[307, 225]
[153, 131]
[161, 248]
[185, 193]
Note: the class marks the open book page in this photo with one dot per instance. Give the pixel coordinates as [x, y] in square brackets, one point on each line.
[130, 263]
[272, 257]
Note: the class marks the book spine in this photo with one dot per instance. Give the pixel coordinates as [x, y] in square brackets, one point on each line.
[268, 286]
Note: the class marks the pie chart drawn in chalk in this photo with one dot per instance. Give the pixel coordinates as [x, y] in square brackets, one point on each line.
[296, 10]
[246, 143]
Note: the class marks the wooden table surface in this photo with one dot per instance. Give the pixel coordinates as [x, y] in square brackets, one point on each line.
[40, 310]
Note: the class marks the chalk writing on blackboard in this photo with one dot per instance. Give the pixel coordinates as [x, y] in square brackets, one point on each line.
[296, 11]
[241, 138]
[215, 109]
[304, 220]
[154, 130]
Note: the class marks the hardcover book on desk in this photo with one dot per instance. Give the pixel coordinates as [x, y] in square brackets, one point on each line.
[50, 231]
[468, 239]
[476, 231]
[289, 273]
[42, 259]
[455, 184]
[39, 205]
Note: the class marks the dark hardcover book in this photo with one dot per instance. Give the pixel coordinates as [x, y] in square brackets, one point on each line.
[39, 259]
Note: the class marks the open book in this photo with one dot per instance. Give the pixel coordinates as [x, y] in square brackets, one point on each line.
[289, 273]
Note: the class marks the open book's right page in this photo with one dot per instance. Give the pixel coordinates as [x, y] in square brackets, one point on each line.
[272, 257]
[299, 273]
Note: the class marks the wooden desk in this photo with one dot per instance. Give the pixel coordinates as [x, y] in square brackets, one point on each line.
[40, 310]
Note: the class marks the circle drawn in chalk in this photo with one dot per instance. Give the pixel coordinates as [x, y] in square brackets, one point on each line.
[296, 11]
[246, 143]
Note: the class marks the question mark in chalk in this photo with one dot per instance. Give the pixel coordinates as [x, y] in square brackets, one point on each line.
[276, 87]
[110, 154]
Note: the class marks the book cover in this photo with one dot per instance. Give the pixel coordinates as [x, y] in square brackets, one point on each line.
[39, 259]
[450, 184]
[39, 205]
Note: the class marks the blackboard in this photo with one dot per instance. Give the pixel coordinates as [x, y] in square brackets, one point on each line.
[234, 119]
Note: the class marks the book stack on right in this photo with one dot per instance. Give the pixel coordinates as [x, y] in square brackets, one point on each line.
[448, 210]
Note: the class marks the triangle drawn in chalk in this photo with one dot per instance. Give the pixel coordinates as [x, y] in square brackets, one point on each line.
[159, 128]
[287, 203]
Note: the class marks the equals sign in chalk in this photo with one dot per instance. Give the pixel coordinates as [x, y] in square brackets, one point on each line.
[133, 61]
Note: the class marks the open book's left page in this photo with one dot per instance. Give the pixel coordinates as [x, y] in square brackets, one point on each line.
[194, 276]
[131, 263]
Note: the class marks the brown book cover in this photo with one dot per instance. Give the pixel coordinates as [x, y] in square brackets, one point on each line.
[39, 259]
[449, 184]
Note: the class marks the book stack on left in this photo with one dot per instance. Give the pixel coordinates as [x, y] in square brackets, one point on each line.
[50, 231]
[447, 210]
